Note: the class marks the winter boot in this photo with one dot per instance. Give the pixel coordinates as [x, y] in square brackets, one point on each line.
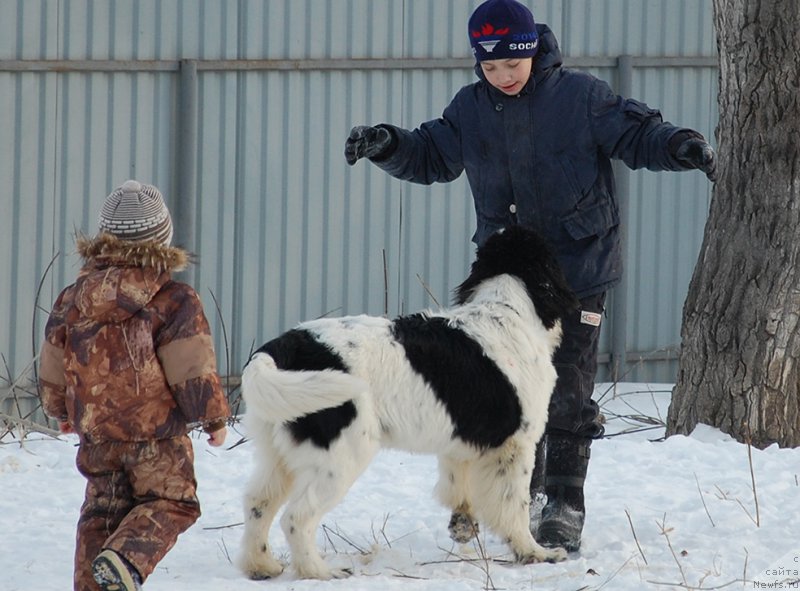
[564, 514]
[538, 495]
[113, 573]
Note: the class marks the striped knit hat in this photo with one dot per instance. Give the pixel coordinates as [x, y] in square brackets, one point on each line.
[136, 212]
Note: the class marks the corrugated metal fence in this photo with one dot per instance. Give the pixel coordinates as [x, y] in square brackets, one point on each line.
[238, 111]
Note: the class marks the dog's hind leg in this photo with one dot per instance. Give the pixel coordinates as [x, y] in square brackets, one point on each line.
[319, 486]
[452, 491]
[500, 479]
[266, 493]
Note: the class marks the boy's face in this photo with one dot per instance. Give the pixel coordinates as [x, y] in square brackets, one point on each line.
[508, 75]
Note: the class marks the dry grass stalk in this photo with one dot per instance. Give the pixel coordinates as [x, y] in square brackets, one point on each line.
[635, 538]
[702, 498]
[665, 532]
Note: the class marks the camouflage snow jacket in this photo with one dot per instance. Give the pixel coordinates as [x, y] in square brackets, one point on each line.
[128, 354]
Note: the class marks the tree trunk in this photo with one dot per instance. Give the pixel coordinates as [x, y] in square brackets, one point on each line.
[739, 367]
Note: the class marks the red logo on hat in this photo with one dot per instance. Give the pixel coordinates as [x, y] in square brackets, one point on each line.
[488, 29]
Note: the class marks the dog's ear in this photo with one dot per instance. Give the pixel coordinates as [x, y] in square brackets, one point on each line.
[553, 300]
[526, 255]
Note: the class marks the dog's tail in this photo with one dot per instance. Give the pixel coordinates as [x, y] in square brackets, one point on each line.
[279, 396]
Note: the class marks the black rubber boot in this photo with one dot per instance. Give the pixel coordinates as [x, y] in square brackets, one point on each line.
[563, 515]
[538, 495]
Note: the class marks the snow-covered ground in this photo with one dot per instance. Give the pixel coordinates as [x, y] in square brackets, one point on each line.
[679, 513]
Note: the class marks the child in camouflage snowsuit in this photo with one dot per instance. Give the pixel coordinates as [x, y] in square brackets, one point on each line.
[128, 364]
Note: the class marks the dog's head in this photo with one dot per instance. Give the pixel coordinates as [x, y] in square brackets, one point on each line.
[524, 254]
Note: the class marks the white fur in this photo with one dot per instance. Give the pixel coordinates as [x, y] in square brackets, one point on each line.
[395, 408]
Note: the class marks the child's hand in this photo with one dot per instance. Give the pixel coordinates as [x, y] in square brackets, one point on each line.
[365, 141]
[65, 427]
[217, 438]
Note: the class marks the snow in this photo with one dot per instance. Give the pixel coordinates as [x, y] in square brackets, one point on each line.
[661, 514]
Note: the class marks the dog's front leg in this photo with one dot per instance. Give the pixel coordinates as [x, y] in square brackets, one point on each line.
[500, 479]
[452, 489]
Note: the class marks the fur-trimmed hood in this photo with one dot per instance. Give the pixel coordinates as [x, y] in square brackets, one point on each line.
[120, 277]
[105, 249]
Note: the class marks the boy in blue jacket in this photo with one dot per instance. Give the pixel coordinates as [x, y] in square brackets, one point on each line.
[536, 141]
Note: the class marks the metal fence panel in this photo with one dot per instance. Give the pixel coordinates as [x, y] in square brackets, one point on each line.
[284, 229]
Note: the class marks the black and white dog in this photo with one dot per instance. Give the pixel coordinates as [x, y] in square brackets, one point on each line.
[470, 384]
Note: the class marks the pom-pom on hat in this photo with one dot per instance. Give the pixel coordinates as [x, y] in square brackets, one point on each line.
[502, 29]
[136, 212]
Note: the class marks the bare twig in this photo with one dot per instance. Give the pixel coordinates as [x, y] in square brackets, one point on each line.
[694, 588]
[455, 560]
[752, 474]
[631, 432]
[39, 287]
[382, 531]
[724, 496]
[484, 564]
[231, 385]
[482, 561]
[702, 498]
[224, 332]
[635, 538]
[428, 290]
[29, 426]
[232, 525]
[402, 575]
[744, 569]
[22, 421]
[619, 379]
[328, 531]
[225, 550]
[639, 421]
[238, 443]
[385, 284]
[615, 573]
[715, 572]
[665, 532]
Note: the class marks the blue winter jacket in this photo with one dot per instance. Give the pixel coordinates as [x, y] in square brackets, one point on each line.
[542, 159]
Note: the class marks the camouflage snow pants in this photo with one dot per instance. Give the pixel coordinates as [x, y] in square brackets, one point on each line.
[139, 497]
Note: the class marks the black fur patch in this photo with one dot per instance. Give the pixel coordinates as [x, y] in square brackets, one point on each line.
[482, 403]
[298, 350]
[524, 254]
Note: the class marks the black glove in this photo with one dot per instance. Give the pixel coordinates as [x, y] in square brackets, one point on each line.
[365, 141]
[697, 153]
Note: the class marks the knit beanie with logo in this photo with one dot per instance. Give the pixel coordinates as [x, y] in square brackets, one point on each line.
[136, 212]
[502, 29]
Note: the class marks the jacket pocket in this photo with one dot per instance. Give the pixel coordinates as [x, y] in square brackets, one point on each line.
[594, 220]
[571, 176]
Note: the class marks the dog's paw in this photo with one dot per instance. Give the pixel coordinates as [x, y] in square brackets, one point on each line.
[322, 573]
[262, 575]
[262, 569]
[555, 555]
[462, 527]
[341, 573]
[544, 555]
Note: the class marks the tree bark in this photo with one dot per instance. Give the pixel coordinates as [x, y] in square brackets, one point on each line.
[739, 367]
